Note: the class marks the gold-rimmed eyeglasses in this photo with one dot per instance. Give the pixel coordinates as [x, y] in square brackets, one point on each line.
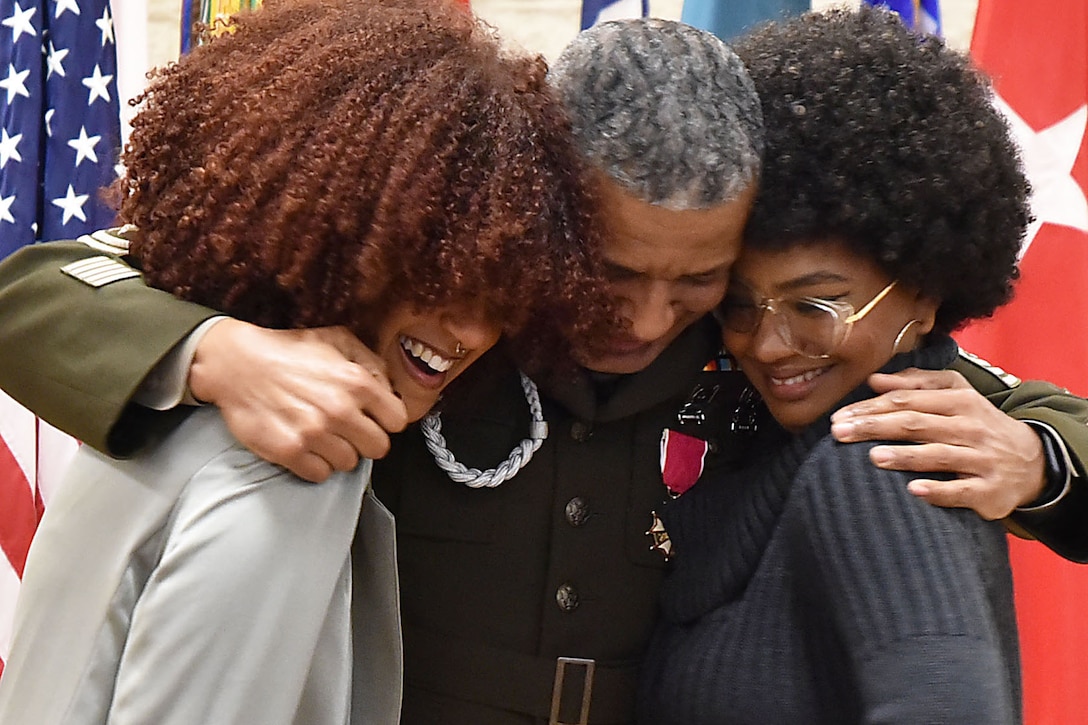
[809, 326]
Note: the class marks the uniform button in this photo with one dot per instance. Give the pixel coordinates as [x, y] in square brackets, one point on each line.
[577, 511]
[566, 597]
[581, 431]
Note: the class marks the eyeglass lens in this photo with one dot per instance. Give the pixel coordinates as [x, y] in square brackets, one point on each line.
[805, 326]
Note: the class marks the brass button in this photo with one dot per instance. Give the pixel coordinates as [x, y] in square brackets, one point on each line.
[576, 511]
[566, 596]
[581, 431]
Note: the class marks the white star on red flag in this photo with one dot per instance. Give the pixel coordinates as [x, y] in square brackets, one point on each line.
[1049, 155]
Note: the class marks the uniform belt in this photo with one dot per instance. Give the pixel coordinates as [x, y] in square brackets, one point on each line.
[519, 682]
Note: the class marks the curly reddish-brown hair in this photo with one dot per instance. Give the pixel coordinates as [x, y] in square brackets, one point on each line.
[328, 160]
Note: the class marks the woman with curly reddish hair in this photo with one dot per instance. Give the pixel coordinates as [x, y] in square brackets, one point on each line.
[378, 165]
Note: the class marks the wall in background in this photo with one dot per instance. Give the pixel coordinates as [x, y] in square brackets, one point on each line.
[542, 26]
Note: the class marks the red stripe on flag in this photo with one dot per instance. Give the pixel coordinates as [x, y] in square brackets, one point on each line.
[20, 513]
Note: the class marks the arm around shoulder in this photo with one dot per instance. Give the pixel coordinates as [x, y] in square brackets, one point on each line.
[80, 333]
[1060, 518]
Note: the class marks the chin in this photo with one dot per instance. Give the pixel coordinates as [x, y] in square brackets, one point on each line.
[623, 364]
[794, 419]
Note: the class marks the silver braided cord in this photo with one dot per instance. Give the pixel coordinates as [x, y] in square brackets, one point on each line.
[518, 458]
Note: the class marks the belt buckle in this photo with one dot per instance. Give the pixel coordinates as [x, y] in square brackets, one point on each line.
[587, 688]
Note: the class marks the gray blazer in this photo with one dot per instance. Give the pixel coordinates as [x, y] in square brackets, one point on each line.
[197, 583]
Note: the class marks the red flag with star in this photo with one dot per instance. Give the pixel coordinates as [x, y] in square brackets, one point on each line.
[1037, 55]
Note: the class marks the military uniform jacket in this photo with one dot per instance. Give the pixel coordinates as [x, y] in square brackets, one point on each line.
[495, 584]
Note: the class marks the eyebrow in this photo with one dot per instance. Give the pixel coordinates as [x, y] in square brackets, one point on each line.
[721, 269]
[808, 280]
[805, 280]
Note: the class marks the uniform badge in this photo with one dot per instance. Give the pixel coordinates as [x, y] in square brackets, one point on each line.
[99, 271]
[111, 241]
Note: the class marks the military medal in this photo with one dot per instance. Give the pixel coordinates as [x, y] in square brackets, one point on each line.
[659, 537]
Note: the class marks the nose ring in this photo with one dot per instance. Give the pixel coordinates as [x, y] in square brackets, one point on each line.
[459, 350]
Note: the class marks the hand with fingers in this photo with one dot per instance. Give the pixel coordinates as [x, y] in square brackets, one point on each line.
[998, 461]
[313, 401]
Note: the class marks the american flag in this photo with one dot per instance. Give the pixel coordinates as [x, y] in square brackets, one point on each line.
[922, 15]
[59, 142]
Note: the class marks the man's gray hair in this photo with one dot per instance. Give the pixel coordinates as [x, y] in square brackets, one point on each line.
[664, 109]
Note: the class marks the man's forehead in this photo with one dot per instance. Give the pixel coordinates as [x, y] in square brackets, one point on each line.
[671, 258]
[644, 237]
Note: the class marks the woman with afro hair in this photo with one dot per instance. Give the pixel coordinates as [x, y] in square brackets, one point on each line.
[378, 165]
[813, 587]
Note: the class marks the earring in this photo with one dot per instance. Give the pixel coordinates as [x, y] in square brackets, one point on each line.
[902, 334]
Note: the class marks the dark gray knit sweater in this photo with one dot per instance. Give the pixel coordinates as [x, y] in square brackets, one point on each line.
[813, 588]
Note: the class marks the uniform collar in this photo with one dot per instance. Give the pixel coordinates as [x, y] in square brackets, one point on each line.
[672, 374]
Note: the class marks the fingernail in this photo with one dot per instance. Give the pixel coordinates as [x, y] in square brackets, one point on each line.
[918, 488]
[842, 430]
[842, 414]
[881, 456]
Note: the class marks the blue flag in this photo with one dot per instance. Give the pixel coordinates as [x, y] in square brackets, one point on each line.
[59, 124]
[599, 11]
[729, 18]
[921, 15]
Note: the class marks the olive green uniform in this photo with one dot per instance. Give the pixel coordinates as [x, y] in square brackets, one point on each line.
[496, 584]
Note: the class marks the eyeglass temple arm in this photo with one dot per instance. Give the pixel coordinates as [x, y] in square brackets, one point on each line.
[872, 303]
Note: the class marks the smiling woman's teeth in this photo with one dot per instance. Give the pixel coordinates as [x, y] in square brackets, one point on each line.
[429, 357]
[802, 378]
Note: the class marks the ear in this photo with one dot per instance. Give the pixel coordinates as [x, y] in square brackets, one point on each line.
[925, 311]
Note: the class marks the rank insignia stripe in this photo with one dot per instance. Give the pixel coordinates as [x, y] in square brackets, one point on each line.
[110, 241]
[1008, 379]
[99, 271]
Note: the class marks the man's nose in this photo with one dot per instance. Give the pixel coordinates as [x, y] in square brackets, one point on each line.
[652, 310]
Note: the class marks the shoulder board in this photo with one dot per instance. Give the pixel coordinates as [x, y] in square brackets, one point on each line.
[1008, 379]
[111, 241]
[99, 271]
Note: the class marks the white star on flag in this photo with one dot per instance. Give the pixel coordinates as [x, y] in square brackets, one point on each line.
[84, 146]
[19, 22]
[5, 209]
[99, 86]
[15, 84]
[55, 60]
[72, 204]
[105, 25]
[1049, 155]
[49, 122]
[65, 5]
[9, 147]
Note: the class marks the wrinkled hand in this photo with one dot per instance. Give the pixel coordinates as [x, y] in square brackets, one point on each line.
[999, 460]
[313, 401]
